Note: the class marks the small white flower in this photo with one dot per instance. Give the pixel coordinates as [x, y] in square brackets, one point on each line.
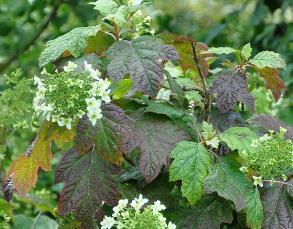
[70, 67]
[125, 214]
[122, 203]
[87, 67]
[94, 116]
[283, 130]
[68, 122]
[171, 225]
[80, 113]
[93, 104]
[157, 207]
[37, 80]
[120, 207]
[162, 220]
[44, 71]
[137, 203]
[105, 97]
[55, 118]
[107, 223]
[103, 85]
[79, 82]
[264, 138]
[257, 181]
[95, 74]
[61, 122]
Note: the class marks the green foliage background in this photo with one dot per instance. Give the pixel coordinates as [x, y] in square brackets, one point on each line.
[26, 25]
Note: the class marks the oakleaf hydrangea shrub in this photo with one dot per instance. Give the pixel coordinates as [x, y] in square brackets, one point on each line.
[137, 215]
[168, 126]
[272, 156]
[66, 96]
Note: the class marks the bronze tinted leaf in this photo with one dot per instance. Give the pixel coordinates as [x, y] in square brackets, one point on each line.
[142, 59]
[88, 184]
[273, 81]
[112, 136]
[156, 138]
[183, 46]
[278, 207]
[24, 170]
[230, 89]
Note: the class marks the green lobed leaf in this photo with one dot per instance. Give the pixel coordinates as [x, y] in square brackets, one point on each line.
[120, 16]
[142, 59]
[268, 59]
[229, 182]
[105, 7]
[222, 50]
[191, 163]
[88, 183]
[246, 51]
[254, 210]
[110, 10]
[73, 42]
[238, 138]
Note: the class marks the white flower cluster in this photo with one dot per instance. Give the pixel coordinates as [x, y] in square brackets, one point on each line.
[129, 216]
[78, 96]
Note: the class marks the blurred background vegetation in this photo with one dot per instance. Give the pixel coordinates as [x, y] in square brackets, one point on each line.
[26, 25]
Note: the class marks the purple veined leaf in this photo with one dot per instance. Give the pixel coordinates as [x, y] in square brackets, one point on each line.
[112, 136]
[156, 138]
[278, 207]
[229, 90]
[88, 184]
[142, 59]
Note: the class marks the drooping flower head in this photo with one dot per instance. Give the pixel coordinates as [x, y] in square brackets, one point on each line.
[64, 97]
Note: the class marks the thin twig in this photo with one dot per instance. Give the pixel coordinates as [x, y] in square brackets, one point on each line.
[197, 63]
[206, 93]
[41, 29]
